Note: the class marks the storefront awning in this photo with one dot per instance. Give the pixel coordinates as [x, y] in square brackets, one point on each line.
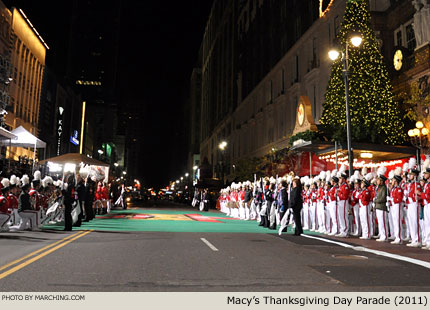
[378, 152]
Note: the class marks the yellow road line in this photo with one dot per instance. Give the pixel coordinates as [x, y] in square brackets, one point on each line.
[28, 262]
[38, 251]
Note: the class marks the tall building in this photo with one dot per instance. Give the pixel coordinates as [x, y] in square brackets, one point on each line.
[28, 64]
[219, 74]
[261, 56]
[194, 117]
[92, 67]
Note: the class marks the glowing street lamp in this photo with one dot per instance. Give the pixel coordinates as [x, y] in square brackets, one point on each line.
[419, 138]
[355, 39]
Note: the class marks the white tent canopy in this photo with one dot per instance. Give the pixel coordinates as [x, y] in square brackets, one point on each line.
[6, 135]
[26, 139]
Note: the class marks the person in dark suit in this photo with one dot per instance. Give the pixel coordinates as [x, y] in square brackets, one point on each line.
[283, 201]
[268, 194]
[80, 189]
[89, 199]
[296, 203]
[68, 201]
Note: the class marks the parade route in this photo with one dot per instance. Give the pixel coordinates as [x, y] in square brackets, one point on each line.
[183, 254]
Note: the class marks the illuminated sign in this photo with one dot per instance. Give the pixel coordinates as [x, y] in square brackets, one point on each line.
[59, 129]
[74, 138]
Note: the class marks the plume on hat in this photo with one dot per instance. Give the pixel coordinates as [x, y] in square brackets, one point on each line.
[391, 174]
[328, 176]
[13, 180]
[398, 171]
[5, 182]
[342, 168]
[426, 164]
[381, 170]
[37, 175]
[405, 167]
[25, 179]
[84, 172]
[353, 178]
[412, 163]
[49, 180]
[357, 175]
[369, 177]
[333, 173]
[322, 175]
[364, 171]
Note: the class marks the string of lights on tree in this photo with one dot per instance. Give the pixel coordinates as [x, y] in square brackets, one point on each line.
[375, 116]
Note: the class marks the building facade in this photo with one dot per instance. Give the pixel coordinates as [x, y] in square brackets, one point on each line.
[27, 65]
[280, 54]
[92, 67]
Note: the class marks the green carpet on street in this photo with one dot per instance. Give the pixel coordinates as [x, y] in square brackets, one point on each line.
[168, 221]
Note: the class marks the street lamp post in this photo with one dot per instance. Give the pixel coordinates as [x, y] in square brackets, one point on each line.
[356, 40]
[419, 138]
[222, 147]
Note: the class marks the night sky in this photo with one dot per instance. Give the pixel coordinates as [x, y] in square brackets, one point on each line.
[159, 47]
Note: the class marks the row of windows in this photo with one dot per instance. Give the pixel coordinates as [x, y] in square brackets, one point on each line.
[405, 36]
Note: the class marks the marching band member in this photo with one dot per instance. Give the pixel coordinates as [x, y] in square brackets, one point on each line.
[13, 200]
[414, 190]
[247, 200]
[364, 201]
[372, 188]
[241, 199]
[234, 201]
[327, 187]
[404, 186]
[305, 210]
[268, 195]
[332, 203]
[389, 204]
[381, 205]
[228, 201]
[355, 205]
[320, 209]
[5, 212]
[312, 198]
[342, 202]
[25, 209]
[396, 206]
[426, 202]
[35, 195]
[273, 214]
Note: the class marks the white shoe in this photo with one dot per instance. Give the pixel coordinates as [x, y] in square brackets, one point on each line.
[381, 240]
[364, 238]
[398, 241]
[414, 244]
[331, 234]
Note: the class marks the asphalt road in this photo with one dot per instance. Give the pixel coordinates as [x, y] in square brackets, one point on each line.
[151, 261]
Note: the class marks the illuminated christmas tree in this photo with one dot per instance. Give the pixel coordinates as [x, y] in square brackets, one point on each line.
[375, 116]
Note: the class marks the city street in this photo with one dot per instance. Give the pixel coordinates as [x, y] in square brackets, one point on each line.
[166, 247]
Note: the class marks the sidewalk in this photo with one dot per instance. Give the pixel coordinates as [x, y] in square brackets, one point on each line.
[398, 249]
